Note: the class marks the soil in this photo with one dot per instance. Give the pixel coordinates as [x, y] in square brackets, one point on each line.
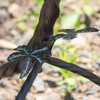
[45, 87]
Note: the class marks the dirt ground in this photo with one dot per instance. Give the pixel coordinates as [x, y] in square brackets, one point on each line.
[45, 88]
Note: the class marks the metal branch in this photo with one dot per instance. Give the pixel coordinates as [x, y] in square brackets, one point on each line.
[27, 85]
[44, 30]
[74, 68]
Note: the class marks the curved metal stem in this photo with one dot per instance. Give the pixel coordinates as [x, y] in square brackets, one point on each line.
[44, 30]
[74, 68]
[28, 83]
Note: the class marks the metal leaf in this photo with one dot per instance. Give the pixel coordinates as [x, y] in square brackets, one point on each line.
[27, 65]
[23, 48]
[39, 58]
[67, 30]
[39, 50]
[70, 36]
[71, 33]
[54, 38]
[15, 55]
[87, 30]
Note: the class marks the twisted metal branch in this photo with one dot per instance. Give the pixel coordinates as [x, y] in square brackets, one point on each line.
[44, 30]
[28, 83]
[73, 68]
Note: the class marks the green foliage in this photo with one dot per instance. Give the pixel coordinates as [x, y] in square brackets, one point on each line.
[85, 1]
[21, 26]
[71, 19]
[39, 2]
[24, 79]
[20, 21]
[83, 79]
[56, 28]
[95, 55]
[64, 91]
[88, 10]
[23, 18]
[69, 81]
[69, 56]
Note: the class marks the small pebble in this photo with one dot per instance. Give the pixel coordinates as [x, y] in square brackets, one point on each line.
[85, 98]
[3, 14]
[39, 85]
[96, 66]
[4, 4]
[92, 90]
[85, 53]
